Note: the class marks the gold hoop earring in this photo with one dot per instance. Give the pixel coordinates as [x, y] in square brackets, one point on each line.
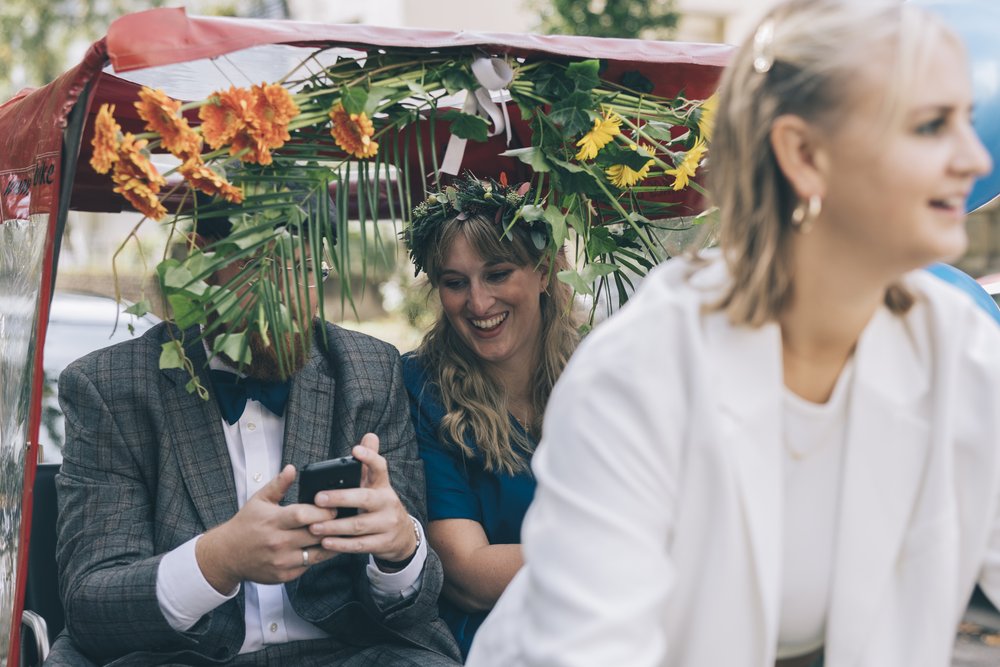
[805, 213]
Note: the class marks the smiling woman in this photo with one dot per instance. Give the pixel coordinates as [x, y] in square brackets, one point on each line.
[480, 381]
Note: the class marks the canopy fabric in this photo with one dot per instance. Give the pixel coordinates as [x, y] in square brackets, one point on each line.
[144, 45]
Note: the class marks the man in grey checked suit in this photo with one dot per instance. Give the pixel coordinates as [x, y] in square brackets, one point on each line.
[180, 541]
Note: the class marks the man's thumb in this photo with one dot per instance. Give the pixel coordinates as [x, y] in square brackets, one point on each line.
[276, 489]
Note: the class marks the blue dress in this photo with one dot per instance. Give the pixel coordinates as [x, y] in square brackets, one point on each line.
[458, 487]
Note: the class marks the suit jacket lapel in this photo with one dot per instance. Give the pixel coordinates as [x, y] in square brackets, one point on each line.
[887, 447]
[748, 368]
[309, 418]
[195, 427]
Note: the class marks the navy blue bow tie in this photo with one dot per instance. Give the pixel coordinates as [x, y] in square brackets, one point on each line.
[232, 392]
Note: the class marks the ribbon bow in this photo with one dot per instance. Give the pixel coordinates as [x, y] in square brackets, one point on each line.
[492, 74]
[232, 392]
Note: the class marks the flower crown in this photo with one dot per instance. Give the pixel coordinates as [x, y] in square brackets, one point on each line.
[508, 206]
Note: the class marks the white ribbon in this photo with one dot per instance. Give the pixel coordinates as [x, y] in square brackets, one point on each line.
[492, 74]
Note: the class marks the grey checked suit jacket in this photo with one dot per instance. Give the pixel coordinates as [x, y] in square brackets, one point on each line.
[146, 468]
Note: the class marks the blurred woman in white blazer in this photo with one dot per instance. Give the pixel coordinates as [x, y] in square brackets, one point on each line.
[788, 452]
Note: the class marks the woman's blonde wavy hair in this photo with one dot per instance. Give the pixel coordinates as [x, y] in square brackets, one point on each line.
[817, 50]
[475, 403]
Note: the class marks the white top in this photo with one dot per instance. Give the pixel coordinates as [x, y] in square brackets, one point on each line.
[814, 446]
[655, 538]
[184, 595]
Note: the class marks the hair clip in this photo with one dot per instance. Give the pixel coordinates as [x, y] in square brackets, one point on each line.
[763, 47]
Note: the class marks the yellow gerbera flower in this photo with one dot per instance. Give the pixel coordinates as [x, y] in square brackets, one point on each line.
[706, 122]
[686, 170]
[622, 176]
[605, 129]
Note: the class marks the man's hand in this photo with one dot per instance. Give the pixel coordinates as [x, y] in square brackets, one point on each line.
[264, 541]
[382, 528]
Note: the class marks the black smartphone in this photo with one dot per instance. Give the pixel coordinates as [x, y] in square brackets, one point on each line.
[342, 473]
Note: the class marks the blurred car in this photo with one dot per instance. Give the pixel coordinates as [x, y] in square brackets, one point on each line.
[78, 323]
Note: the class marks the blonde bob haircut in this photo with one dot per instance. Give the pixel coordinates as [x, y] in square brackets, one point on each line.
[475, 402]
[805, 59]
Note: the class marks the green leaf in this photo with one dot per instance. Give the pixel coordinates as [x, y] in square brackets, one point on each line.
[576, 222]
[557, 221]
[531, 212]
[531, 156]
[376, 96]
[186, 311]
[637, 81]
[551, 81]
[235, 346]
[171, 355]
[139, 308]
[467, 126]
[584, 74]
[576, 281]
[659, 131]
[179, 279]
[571, 112]
[600, 242]
[455, 78]
[353, 98]
[596, 270]
[614, 153]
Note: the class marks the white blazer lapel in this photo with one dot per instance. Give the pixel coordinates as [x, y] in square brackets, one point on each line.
[748, 375]
[885, 457]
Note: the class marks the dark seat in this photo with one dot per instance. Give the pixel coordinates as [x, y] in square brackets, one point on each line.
[41, 591]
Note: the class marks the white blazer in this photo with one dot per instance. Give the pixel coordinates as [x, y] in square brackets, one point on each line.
[655, 537]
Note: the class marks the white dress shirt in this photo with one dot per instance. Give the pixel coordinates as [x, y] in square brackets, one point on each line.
[183, 593]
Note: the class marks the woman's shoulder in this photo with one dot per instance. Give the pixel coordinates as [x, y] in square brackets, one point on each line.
[415, 373]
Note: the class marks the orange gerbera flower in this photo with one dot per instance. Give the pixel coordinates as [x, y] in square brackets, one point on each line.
[134, 164]
[136, 178]
[226, 114]
[142, 197]
[202, 178]
[273, 109]
[105, 141]
[353, 132]
[162, 115]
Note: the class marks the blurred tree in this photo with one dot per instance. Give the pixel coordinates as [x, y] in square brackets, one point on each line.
[645, 19]
[43, 38]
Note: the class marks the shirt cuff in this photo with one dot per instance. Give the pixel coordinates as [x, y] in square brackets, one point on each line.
[391, 587]
[183, 593]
